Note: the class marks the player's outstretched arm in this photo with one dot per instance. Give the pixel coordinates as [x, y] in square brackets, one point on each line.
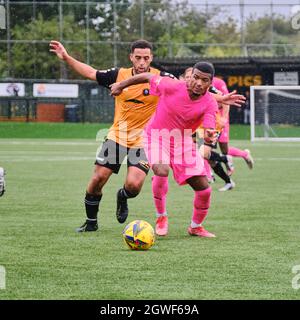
[117, 88]
[232, 98]
[81, 68]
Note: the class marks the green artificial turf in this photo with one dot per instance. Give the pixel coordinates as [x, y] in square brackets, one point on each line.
[257, 228]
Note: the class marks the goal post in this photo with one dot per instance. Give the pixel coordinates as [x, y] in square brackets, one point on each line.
[275, 113]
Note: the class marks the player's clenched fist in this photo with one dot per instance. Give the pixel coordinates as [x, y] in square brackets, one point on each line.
[116, 89]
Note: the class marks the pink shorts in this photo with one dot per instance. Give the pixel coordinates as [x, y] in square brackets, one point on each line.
[224, 137]
[180, 154]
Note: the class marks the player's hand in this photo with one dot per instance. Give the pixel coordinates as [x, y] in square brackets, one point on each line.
[211, 136]
[115, 89]
[58, 49]
[233, 99]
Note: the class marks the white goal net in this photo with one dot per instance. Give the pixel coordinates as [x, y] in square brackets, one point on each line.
[275, 113]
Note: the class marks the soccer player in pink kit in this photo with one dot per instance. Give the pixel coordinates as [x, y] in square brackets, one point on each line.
[220, 85]
[167, 137]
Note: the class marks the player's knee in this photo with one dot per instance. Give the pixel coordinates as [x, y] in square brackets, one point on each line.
[133, 188]
[160, 170]
[98, 181]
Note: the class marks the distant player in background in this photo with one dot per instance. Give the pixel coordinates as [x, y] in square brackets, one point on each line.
[246, 108]
[220, 85]
[133, 109]
[182, 106]
[2, 182]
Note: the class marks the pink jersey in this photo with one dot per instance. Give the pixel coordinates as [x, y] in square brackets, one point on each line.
[176, 110]
[220, 85]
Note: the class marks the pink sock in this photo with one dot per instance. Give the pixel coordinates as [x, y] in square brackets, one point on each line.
[201, 205]
[160, 186]
[235, 152]
[207, 169]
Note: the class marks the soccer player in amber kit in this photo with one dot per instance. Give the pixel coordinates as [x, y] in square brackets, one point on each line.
[133, 109]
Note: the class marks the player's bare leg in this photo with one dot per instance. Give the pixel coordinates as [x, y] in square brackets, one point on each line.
[133, 184]
[201, 205]
[93, 197]
[159, 191]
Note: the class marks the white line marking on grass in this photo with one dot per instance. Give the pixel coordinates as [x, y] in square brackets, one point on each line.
[49, 143]
[276, 159]
[25, 152]
[8, 158]
[44, 159]
[245, 144]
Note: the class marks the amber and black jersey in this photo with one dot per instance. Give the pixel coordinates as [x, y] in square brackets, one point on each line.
[133, 107]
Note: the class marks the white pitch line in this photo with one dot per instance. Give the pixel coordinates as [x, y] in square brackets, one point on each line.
[49, 143]
[268, 145]
[276, 159]
[72, 158]
[26, 152]
[35, 159]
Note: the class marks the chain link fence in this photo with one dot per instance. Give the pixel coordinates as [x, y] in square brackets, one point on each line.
[100, 32]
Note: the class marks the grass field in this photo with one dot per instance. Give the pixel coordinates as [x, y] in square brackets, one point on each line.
[78, 130]
[257, 228]
[277, 131]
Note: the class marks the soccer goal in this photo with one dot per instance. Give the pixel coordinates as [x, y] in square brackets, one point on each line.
[275, 113]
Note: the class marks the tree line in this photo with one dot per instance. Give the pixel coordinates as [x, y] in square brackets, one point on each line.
[99, 34]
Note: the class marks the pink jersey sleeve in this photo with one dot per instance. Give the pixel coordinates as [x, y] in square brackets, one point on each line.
[220, 85]
[159, 84]
[209, 119]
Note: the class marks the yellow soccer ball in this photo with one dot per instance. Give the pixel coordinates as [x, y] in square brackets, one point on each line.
[139, 235]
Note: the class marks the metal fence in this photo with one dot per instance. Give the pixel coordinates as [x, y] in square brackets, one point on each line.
[93, 104]
[104, 30]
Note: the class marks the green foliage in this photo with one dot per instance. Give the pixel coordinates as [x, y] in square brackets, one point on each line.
[274, 30]
[176, 28]
[33, 60]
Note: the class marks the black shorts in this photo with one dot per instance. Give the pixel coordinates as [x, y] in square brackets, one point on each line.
[112, 155]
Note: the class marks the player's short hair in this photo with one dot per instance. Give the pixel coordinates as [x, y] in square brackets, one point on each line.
[187, 70]
[141, 44]
[206, 67]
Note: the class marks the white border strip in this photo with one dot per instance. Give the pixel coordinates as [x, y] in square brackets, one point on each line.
[277, 139]
[276, 87]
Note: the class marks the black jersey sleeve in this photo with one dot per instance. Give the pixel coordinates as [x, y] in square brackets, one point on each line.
[212, 89]
[167, 74]
[107, 77]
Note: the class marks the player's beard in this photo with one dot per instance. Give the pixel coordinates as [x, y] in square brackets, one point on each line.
[194, 95]
[141, 70]
[198, 91]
